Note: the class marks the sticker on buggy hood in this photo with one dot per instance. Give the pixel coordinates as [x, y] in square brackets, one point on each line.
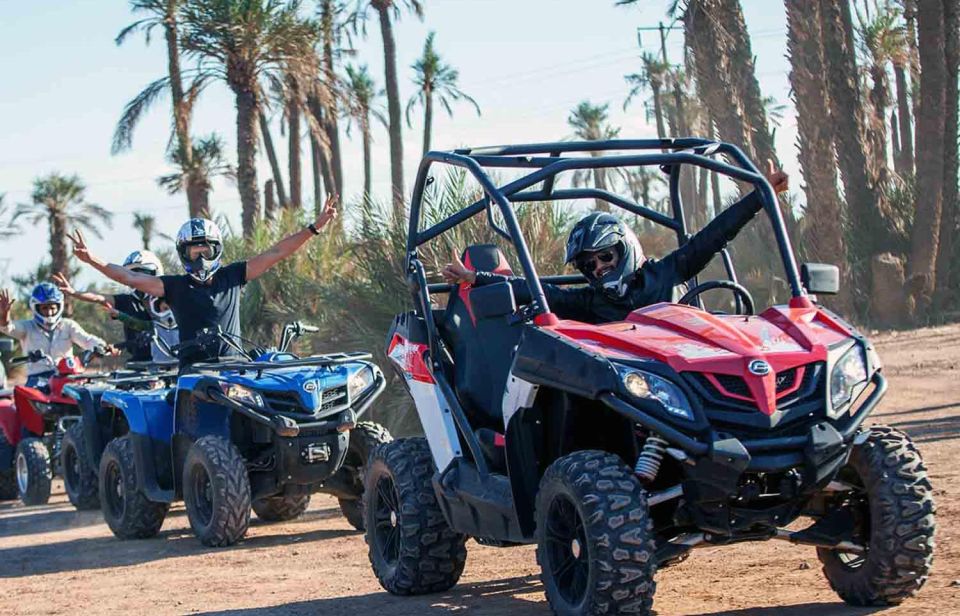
[700, 351]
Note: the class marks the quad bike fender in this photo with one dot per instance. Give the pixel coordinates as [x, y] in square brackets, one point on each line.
[30, 419]
[146, 412]
[9, 422]
[95, 434]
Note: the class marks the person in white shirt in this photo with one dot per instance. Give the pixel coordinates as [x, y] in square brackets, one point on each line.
[47, 331]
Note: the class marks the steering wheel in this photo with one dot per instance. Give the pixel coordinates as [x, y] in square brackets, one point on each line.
[739, 290]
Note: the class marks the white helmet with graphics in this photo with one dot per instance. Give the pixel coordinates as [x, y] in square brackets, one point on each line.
[200, 246]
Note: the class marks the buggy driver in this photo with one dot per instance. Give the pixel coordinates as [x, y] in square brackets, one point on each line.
[621, 278]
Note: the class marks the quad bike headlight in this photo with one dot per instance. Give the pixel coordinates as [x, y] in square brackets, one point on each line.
[360, 381]
[848, 376]
[648, 386]
[242, 394]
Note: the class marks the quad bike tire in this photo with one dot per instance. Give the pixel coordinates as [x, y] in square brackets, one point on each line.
[899, 534]
[595, 539]
[411, 548]
[80, 479]
[8, 472]
[126, 510]
[33, 471]
[216, 491]
[281, 508]
[364, 438]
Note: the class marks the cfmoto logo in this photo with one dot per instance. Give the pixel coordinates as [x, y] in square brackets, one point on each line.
[759, 367]
[310, 386]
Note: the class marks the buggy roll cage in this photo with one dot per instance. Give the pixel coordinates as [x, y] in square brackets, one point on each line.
[546, 161]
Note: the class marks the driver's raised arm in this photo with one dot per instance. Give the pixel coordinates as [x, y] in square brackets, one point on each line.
[151, 285]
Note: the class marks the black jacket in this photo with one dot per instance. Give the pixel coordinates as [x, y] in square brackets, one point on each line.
[656, 281]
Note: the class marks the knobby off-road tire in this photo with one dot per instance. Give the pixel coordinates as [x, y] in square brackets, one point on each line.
[364, 438]
[412, 549]
[127, 510]
[8, 470]
[80, 479]
[281, 508]
[34, 473]
[216, 491]
[595, 540]
[899, 527]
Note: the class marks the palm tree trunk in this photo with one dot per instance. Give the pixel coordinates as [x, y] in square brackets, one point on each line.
[895, 145]
[600, 183]
[951, 208]
[658, 109]
[930, 167]
[823, 235]
[272, 157]
[58, 241]
[181, 111]
[247, 114]
[910, 16]
[427, 121]
[331, 126]
[367, 168]
[393, 112]
[714, 177]
[198, 196]
[293, 136]
[880, 100]
[269, 202]
[320, 136]
[904, 118]
[315, 157]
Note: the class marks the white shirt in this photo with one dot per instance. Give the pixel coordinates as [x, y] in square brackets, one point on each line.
[57, 343]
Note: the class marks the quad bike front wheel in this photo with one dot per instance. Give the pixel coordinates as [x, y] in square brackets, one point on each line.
[892, 509]
[595, 540]
[281, 508]
[363, 439]
[126, 510]
[216, 491]
[79, 477]
[34, 475]
[412, 549]
[8, 470]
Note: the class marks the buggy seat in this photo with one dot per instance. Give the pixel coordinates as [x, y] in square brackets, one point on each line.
[482, 348]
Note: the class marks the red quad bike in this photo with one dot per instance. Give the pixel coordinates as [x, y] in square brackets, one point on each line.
[33, 424]
[618, 448]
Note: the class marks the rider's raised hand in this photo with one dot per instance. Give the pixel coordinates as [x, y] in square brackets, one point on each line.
[80, 249]
[456, 272]
[63, 284]
[6, 302]
[778, 178]
[328, 213]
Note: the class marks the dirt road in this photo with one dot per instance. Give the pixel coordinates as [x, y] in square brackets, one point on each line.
[54, 560]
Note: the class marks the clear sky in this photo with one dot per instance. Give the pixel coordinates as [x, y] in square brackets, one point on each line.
[63, 84]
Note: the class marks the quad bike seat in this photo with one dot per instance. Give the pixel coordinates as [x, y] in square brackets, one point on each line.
[482, 348]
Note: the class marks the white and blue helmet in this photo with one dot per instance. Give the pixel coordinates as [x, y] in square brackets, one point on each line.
[45, 294]
[200, 232]
[143, 262]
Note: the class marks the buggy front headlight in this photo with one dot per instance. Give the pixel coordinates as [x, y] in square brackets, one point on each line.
[648, 386]
[848, 376]
[360, 381]
[242, 394]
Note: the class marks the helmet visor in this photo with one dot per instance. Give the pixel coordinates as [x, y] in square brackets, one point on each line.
[591, 262]
[203, 250]
[49, 309]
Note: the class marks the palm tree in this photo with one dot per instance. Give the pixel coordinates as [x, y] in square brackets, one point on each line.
[925, 236]
[433, 78]
[243, 42]
[591, 123]
[385, 10]
[337, 20]
[146, 226]
[824, 230]
[652, 76]
[951, 200]
[61, 200]
[272, 156]
[363, 96]
[163, 13]
[206, 162]
[7, 226]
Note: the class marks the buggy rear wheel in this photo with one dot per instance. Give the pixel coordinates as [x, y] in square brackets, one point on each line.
[363, 439]
[412, 549]
[127, 510]
[34, 475]
[216, 491]
[79, 477]
[595, 541]
[281, 508]
[892, 510]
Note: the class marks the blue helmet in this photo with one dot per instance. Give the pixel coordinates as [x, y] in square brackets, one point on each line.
[45, 294]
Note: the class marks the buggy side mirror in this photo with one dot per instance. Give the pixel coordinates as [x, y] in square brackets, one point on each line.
[493, 300]
[6, 345]
[820, 278]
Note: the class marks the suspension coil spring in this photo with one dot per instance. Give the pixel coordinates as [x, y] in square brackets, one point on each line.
[650, 458]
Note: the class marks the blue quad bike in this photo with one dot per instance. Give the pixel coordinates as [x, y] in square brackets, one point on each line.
[265, 428]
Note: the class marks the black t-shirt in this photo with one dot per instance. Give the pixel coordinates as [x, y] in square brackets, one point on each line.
[198, 306]
[137, 345]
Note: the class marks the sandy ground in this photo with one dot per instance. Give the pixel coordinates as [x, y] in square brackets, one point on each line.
[54, 560]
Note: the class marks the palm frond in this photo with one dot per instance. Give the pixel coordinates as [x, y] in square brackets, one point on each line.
[133, 112]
